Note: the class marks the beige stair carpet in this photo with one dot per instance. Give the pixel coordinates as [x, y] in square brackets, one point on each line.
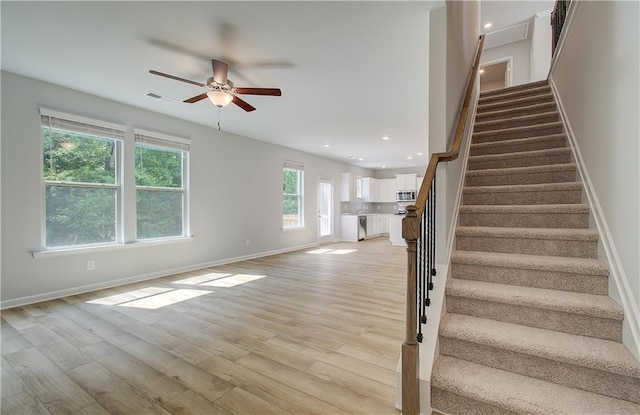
[529, 327]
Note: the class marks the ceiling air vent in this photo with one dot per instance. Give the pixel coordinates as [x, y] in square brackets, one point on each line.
[160, 97]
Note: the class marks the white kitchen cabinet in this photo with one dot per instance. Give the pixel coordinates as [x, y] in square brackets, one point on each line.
[387, 190]
[372, 226]
[370, 189]
[384, 223]
[395, 231]
[405, 182]
[347, 187]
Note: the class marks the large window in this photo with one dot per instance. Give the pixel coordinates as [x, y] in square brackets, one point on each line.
[161, 191]
[81, 159]
[292, 195]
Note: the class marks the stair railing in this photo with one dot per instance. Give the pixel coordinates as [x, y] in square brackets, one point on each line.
[558, 16]
[419, 232]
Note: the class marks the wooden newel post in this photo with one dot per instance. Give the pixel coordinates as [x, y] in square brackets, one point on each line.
[410, 391]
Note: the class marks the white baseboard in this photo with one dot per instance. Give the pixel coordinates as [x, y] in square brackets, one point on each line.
[17, 302]
[619, 288]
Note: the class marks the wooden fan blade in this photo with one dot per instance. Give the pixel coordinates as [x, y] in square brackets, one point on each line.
[196, 98]
[176, 78]
[220, 70]
[242, 104]
[259, 91]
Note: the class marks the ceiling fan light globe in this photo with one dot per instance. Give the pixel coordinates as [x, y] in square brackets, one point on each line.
[220, 98]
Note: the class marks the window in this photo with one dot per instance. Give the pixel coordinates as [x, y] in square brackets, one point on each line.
[161, 185]
[292, 195]
[81, 159]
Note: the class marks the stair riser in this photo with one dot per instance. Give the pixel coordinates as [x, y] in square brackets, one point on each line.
[451, 403]
[523, 198]
[579, 324]
[563, 281]
[574, 376]
[562, 176]
[514, 245]
[515, 88]
[517, 147]
[507, 105]
[505, 163]
[506, 134]
[515, 122]
[510, 96]
[518, 112]
[525, 220]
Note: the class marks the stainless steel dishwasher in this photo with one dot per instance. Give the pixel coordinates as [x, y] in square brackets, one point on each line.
[362, 228]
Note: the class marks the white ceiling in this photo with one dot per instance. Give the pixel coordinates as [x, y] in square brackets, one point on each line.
[350, 72]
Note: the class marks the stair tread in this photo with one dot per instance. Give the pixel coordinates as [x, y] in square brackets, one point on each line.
[566, 234]
[541, 126]
[505, 112]
[520, 154]
[524, 187]
[593, 305]
[517, 141]
[586, 266]
[518, 118]
[547, 209]
[515, 103]
[519, 393]
[594, 353]
[522, 170]
[508, 94]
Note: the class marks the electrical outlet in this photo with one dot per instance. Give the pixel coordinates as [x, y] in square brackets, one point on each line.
[91, 265]
[248, 242]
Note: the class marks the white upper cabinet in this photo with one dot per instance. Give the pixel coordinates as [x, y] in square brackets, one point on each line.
[387, 190]
[405, 182]
[370, 190]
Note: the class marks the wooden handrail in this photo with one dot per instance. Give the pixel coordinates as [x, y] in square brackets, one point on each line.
[411, 233]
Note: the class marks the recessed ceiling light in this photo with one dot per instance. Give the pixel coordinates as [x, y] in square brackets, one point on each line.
[361, 159]
[409, 157]
[384, 167]
[386, 137]
[488, 25]
[327, 145]
[420, 153]
[481, 71]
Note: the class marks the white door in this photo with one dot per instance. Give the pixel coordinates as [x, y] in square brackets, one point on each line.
[325, 210]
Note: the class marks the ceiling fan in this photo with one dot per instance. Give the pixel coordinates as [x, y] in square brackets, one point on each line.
[221, 90]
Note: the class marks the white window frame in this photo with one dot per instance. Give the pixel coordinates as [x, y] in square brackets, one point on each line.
[90, 126]
[162, 141]
[298, 167]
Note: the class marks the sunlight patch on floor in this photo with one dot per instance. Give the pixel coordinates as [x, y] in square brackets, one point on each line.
[330, 251]
[129, 296]
[233, 280]
[161, 300]
[201, 278]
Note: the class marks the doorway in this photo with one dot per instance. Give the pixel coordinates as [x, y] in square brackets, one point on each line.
[325, 210]
[495, 75]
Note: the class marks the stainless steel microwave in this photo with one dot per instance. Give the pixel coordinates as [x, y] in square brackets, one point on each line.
[406, 196]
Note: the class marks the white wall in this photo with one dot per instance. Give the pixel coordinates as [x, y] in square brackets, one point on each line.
[540, 46]
[236, 187]
[596, 76]
[521, 54]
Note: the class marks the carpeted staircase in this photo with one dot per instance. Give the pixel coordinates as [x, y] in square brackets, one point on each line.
[529, 327]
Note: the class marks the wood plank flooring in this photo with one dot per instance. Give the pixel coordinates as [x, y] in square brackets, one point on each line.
[309, 332]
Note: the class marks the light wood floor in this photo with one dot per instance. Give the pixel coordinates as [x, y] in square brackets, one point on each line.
[298, 333]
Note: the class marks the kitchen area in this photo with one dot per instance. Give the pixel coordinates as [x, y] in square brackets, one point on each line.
[373, 207]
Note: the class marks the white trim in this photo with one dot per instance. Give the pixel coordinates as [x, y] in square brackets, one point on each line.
[618, 281]
[17, 302]
[85, 120]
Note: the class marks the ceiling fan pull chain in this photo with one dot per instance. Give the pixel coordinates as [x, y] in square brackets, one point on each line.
[218, 118]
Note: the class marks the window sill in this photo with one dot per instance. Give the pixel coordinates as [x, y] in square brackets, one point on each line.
[49, 253]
